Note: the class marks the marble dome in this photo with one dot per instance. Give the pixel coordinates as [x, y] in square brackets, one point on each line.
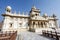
[8, 8]
[45, 14]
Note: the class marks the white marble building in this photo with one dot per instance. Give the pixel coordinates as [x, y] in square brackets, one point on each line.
[32, 21]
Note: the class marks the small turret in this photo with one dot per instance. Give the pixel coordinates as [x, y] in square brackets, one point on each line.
[14, 12]
[8, 9]
[45, 15]
[34, 12]
[54, 15]
[26, 13]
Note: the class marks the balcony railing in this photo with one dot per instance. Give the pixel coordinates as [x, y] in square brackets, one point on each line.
[52, 34]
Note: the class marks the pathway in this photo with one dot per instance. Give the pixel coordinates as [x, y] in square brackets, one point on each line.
[31, 36]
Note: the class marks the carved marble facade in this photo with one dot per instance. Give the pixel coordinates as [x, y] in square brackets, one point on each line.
[33, 21]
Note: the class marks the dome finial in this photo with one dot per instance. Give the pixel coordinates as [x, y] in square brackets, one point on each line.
[33, 7]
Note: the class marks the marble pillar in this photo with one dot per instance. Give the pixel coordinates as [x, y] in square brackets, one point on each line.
[47, 25]
[39, 24]
[31, 24]
[43, 24]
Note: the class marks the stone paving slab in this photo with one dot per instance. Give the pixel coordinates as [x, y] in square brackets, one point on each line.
[31, 36]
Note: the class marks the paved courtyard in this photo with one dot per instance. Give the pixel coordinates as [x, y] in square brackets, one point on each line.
[31, 36]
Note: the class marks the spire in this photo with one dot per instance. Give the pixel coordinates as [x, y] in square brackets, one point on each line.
[26, 13]
[19, 13]
[33, 7]
[14, 12]
[23, 13]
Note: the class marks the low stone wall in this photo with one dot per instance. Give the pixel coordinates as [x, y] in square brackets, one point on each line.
[8, 35]
[39, 30]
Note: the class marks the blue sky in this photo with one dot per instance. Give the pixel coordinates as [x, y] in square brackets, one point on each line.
[46, 6]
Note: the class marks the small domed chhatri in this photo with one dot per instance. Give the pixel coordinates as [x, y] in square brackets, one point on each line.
[53, 15]
[45, 14]
[8, 8]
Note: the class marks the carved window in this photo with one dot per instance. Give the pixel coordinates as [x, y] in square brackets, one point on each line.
[20, 19]
[50, 24]
[36, 14]
[11, 18]
[28, 24]
[38, 23]
[10, 24]
[16, 19]
[54, 24]
[20, 24]
[26, 19]
[35, 17]
[32, 15]
[44, 23]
